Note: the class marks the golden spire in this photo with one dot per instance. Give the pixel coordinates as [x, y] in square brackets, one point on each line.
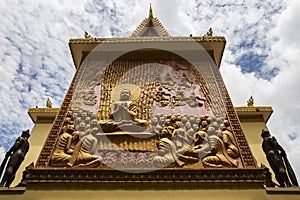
[150, 27]
[150, 12]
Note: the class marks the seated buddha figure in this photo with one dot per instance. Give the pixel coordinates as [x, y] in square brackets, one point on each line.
[125, 113]
[124, 110]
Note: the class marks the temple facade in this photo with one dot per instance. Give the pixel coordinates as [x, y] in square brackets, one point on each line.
[147, 116]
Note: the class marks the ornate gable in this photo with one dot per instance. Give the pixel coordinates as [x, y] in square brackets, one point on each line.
[150, 27]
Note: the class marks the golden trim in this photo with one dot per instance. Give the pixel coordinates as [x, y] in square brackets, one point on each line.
[254, 109]
[251, 118]
[182, 177]
[43, 110]
[254, 113]
[43, 115]
[147, 39]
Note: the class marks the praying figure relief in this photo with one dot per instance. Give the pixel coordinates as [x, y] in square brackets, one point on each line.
[76, 148]
[210, 144]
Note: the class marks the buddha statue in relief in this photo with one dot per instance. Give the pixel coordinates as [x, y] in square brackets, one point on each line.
[124, 110]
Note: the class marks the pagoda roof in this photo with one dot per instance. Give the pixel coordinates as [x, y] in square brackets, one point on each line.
[150, 27]
[213, 44]
[149, 34]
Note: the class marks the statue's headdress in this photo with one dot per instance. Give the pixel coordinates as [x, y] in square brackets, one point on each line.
[25, 133]
[265, 133]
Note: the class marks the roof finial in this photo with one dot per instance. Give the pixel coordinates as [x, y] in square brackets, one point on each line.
[150, 12]
[87, 35]
[209, 32]
[48, 103]
[250, 102]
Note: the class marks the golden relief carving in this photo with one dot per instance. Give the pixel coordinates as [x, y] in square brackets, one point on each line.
[144, 115]
[204, 146]
[75, 148]
[125, 113]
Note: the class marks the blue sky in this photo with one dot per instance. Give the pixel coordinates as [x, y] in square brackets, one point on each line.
[261, 55]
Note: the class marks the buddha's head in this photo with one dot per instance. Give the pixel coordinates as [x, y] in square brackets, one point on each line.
[125, 95]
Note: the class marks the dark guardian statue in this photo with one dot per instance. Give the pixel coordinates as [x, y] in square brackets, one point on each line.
[278, 161]
[15, 157]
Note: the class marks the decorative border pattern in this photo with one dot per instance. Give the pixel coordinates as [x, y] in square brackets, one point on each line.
[147, 39]
[245, 152]
[224, 175]
[43, 110]
[253, 118]
[49, 145]
[253, 109]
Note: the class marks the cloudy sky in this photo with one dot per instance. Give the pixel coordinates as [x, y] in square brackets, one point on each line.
[261, 56]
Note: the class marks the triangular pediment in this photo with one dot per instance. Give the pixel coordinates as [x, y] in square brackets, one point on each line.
[150, 27]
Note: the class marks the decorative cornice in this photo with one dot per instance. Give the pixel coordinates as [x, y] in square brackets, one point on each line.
[43, 110]
[147, 39]
[12, 190]
[183, 177]
[251, 118]
[215, 44]
[43, 115]
[283, 190]
[253, 109]
[254, 113]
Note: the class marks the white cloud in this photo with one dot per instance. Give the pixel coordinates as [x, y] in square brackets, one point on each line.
[2, 154]
[282, 92]
[285, 94]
